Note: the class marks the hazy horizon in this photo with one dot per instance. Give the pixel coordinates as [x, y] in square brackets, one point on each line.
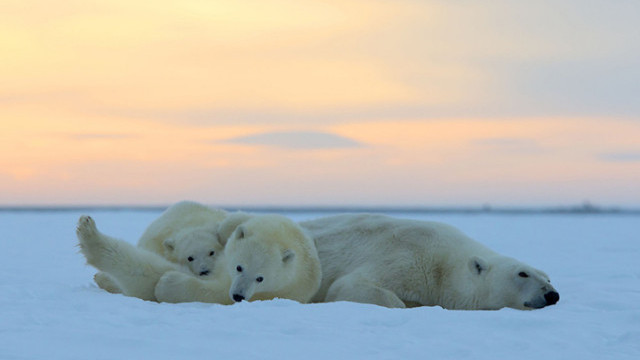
[584, 208]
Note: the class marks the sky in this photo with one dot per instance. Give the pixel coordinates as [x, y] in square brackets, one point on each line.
[303, 103]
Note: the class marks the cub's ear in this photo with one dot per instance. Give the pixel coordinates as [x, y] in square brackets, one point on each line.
[478, 265]
[169, 244]
[288, 255]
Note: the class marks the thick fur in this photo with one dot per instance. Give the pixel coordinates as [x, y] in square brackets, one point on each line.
[186, 234]
[177, 218]
[124, 268]
[197, 248]
[267, 256]
[179, 287]
[230, 224]
[394, 262]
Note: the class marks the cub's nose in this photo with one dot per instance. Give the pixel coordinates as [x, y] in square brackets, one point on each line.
[205, 272]
[551, 297]
[237, 297]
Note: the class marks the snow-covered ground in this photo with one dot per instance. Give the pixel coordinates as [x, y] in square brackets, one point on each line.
[50, 308]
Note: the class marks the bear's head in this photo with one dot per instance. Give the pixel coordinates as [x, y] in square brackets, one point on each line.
[259, 258]
[506, 282]
[196, 248]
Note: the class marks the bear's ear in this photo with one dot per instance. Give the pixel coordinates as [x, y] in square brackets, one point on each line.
[478, 266]
[169, 244]
[288, 255]
[240, 232]
[222, 241]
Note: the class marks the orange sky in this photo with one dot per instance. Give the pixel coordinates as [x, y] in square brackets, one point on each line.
[319, 102]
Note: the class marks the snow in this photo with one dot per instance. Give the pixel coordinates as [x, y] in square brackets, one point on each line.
[50, 308]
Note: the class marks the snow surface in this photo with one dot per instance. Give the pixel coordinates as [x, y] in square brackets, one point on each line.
[50, 308]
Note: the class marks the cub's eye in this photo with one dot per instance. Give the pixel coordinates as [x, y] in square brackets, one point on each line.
[259, 279]
[239, 268]
[211, 253]
[190, 258]
[523, 274]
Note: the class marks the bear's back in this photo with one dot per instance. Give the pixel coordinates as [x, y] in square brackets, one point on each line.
[182, 215]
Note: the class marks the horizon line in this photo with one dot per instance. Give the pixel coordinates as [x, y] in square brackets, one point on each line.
[584, 208]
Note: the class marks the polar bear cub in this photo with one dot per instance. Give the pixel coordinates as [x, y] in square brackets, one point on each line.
[196, 248]
[185, 233]
[266, 256]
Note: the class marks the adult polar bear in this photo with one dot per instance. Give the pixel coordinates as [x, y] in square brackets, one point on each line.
[267, 256]
[400, 262]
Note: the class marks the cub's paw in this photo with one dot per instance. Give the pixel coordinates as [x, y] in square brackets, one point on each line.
[174, 287]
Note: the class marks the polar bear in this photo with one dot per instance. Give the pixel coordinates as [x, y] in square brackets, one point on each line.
[197, 248]
[165, 232]
[400, 263]
[267, 256]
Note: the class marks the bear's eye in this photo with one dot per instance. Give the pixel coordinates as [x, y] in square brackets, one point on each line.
[523, 274]
[239, 268]
[259, 279]
[211, 253]
[190, 258]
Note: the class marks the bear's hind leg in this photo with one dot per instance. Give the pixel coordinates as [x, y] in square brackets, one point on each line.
[357, 288]
[135, 270]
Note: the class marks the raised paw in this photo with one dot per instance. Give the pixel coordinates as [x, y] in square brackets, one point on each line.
[86, 227]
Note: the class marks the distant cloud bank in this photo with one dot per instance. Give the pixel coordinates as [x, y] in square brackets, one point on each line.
[621, 156]
[296, 140]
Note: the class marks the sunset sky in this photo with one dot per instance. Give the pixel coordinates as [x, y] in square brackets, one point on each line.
[358, 102]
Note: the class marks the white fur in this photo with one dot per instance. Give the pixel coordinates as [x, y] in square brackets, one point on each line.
[175, 220]
[398, 262]
[230, 224]
[186, 234]
[125, 268]
[179, 287]
[197, 248]
[270, 247]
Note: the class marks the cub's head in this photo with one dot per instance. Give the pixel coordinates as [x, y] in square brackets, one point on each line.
[510, 283]
[198, 248]
[259, 259]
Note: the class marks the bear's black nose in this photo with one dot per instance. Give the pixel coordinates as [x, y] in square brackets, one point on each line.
[203, 273]
[551, 297]
[237, 297]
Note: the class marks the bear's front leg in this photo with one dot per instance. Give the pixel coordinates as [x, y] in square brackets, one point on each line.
[178, 287]
[357, 288]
